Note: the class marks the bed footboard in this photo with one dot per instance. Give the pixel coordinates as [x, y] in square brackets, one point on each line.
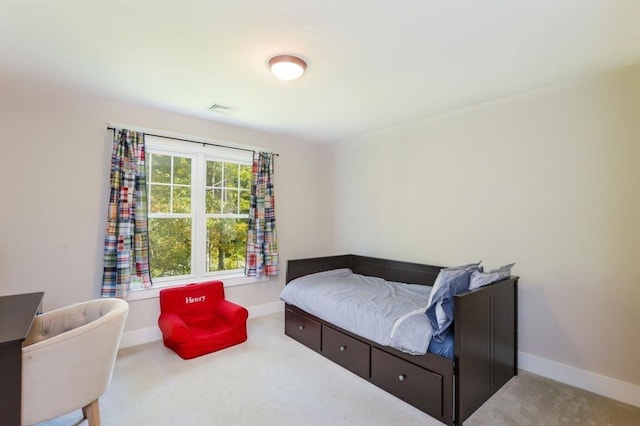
[486, 342]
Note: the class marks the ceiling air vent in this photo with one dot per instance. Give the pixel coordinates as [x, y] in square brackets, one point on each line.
[220, 109]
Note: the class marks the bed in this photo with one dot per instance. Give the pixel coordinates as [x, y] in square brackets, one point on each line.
[449, 388]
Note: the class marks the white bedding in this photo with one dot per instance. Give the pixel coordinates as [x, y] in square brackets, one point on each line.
[388, 313]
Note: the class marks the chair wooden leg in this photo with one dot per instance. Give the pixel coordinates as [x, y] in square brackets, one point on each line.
[91, 412]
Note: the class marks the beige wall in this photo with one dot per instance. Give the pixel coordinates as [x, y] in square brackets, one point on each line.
[548, 179]
[54, 159]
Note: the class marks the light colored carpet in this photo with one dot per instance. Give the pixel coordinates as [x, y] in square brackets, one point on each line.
[273, 380]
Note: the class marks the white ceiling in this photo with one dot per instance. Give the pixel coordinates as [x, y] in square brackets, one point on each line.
[372, 64]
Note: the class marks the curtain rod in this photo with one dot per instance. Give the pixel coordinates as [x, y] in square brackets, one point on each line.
[201, 143]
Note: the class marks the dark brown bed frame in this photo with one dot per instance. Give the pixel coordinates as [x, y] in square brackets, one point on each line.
[486, 340]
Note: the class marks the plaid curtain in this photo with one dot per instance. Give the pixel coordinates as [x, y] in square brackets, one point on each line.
[126, 244]
[262, 243]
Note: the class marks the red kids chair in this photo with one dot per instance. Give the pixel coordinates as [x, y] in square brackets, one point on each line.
[196, 319]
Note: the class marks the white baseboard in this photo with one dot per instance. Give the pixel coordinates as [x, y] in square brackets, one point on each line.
[151, 334]
[266, 309]
[592, 382]
[139, 337]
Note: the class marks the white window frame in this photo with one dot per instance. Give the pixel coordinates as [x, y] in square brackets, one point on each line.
[200, 154]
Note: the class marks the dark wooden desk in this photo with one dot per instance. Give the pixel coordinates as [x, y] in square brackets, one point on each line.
[16, 316]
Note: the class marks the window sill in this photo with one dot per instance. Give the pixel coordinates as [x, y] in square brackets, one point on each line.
[154, 292]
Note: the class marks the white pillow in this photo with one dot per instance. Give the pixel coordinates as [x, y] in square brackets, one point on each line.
[479, 279]
[342, 272]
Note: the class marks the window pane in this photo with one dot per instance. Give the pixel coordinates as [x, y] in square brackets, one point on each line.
[226, 244]
[160, 168]
[214, 201]
[245, 177]
[182, 170]
[159, 198]
[245, 202]
[170, 247]
[214, 173]
[182, 199]
[231, 201]
[231, 175]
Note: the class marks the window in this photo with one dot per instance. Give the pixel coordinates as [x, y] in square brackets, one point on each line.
[199, 199]
[227, 189]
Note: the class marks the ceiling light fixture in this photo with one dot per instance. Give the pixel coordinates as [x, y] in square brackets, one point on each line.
[287, 67]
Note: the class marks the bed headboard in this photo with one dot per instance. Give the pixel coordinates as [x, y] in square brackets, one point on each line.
[390, 270]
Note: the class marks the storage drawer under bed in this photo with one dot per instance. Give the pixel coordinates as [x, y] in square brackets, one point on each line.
[417, 386]
[346, 351]
[303, 329]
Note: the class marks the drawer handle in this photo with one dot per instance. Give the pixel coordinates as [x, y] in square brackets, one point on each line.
[402, 377]
[301, 327]
[343, 348]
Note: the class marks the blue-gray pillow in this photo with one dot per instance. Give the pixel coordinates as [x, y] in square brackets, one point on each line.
[446, 274]
[449, 282]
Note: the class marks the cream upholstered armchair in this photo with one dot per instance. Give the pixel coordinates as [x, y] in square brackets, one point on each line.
[68, 359]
